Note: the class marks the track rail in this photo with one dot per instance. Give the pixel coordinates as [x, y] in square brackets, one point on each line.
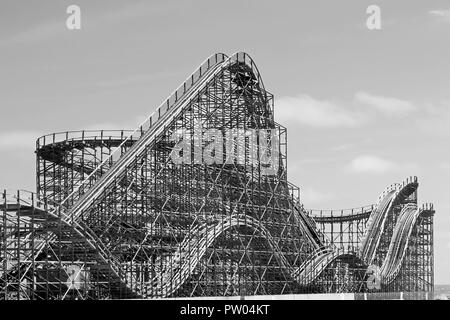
[399, 243]
[172, 270]
[387, 201]
[85, 193]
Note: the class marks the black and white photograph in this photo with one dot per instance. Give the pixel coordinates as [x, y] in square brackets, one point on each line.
[220, 156]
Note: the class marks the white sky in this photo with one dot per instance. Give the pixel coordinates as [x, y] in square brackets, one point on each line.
[363, 109]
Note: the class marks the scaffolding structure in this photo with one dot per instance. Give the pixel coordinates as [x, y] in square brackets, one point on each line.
[405, 225]
[114, 216]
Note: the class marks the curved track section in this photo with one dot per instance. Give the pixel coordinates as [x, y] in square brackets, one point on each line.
[307, 223]
[92, 187]
[147, 133]
[54, 148]
[78, 197]
[399, 243]
[377, 215]
[192, 250]
[171, 271]
[31, 224]
[375, 224]
[66, 159]
[314, 267]
[148, 137]
[393, 196]
[340, 216]
[122, 187]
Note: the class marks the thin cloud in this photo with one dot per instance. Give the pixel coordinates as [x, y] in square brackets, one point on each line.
[376, 165]
[435, 119]
[343, 147]
[445, 166]
[370, 164]
[388, 106]
[311, 196]
[364, 108]
[317, 113]
[440, 15]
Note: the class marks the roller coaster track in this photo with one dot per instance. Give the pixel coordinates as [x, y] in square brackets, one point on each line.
[27, 206]
[387, 201]
[313, 267]
[63, 141]
[378, 215]
[147, 133]
[171, 270]
[24, 208]
[67, 218]
[53, 147]
[192, 250]
[195, 244]
[146, 136]
[398, 245]
[307, 224]
[399, 242]
[344, 215]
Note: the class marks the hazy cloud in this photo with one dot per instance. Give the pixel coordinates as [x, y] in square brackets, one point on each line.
[364, 108]
[370, 164]
[311, 196]
[445, 166]
[441, 15]
[385, 105]
[343, 147]
[377, 165]
[435, 119]
[317, 113]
